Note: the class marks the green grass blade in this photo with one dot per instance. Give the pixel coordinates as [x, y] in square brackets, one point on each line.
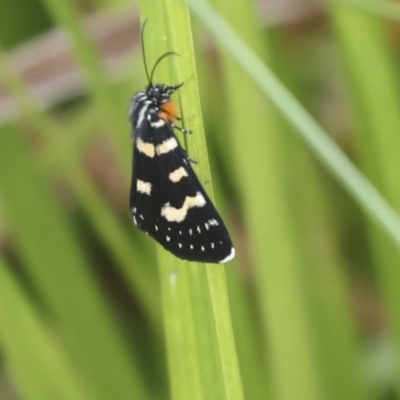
[252, 131]
[180, 28]
[247, 326]
[65, 14]
[324, 267]
[126, 251]
[207, 356]
[376, 105]
[40, 369]
[357, 185]
[56, 264]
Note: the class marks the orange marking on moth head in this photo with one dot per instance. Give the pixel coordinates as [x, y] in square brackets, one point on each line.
[169, 111]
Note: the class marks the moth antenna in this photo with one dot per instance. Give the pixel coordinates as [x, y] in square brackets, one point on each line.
[143, 51]
[170, 53]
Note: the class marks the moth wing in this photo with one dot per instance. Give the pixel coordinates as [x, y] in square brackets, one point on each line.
[169, 203]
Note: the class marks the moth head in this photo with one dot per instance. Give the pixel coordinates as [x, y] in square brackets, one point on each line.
[158, 94]
[161, 94]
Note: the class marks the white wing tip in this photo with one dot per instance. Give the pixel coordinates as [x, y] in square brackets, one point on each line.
[229, 257]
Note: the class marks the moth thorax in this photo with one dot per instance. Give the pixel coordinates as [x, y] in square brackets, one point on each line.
[169, 111]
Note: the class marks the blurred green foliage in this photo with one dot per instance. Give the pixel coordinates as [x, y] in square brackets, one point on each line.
[89, 309]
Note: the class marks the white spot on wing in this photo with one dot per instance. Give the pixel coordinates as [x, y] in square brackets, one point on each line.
[143, 187]
[156, 227]
[191, 247]
[178, 174]
[190, 232]
[228, 258]
[146, 148]
[180, 245]
[212, 245]
[202, 248]
[158, 124]
[173, 214]
[166, 146]
[198, 229]
[206, 225]
[134, 220]
[168, 238]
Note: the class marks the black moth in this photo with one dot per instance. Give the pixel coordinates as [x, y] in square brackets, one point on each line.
[167, 200]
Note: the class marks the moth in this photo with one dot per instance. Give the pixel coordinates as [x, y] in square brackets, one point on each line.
[167, 200]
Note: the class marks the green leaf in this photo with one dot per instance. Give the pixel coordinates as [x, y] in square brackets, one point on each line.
[201, 351]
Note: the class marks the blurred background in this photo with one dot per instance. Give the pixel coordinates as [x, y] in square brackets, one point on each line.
[314, 289]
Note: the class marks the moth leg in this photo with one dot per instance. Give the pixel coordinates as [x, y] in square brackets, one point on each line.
[183, 130]
[188, 158]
